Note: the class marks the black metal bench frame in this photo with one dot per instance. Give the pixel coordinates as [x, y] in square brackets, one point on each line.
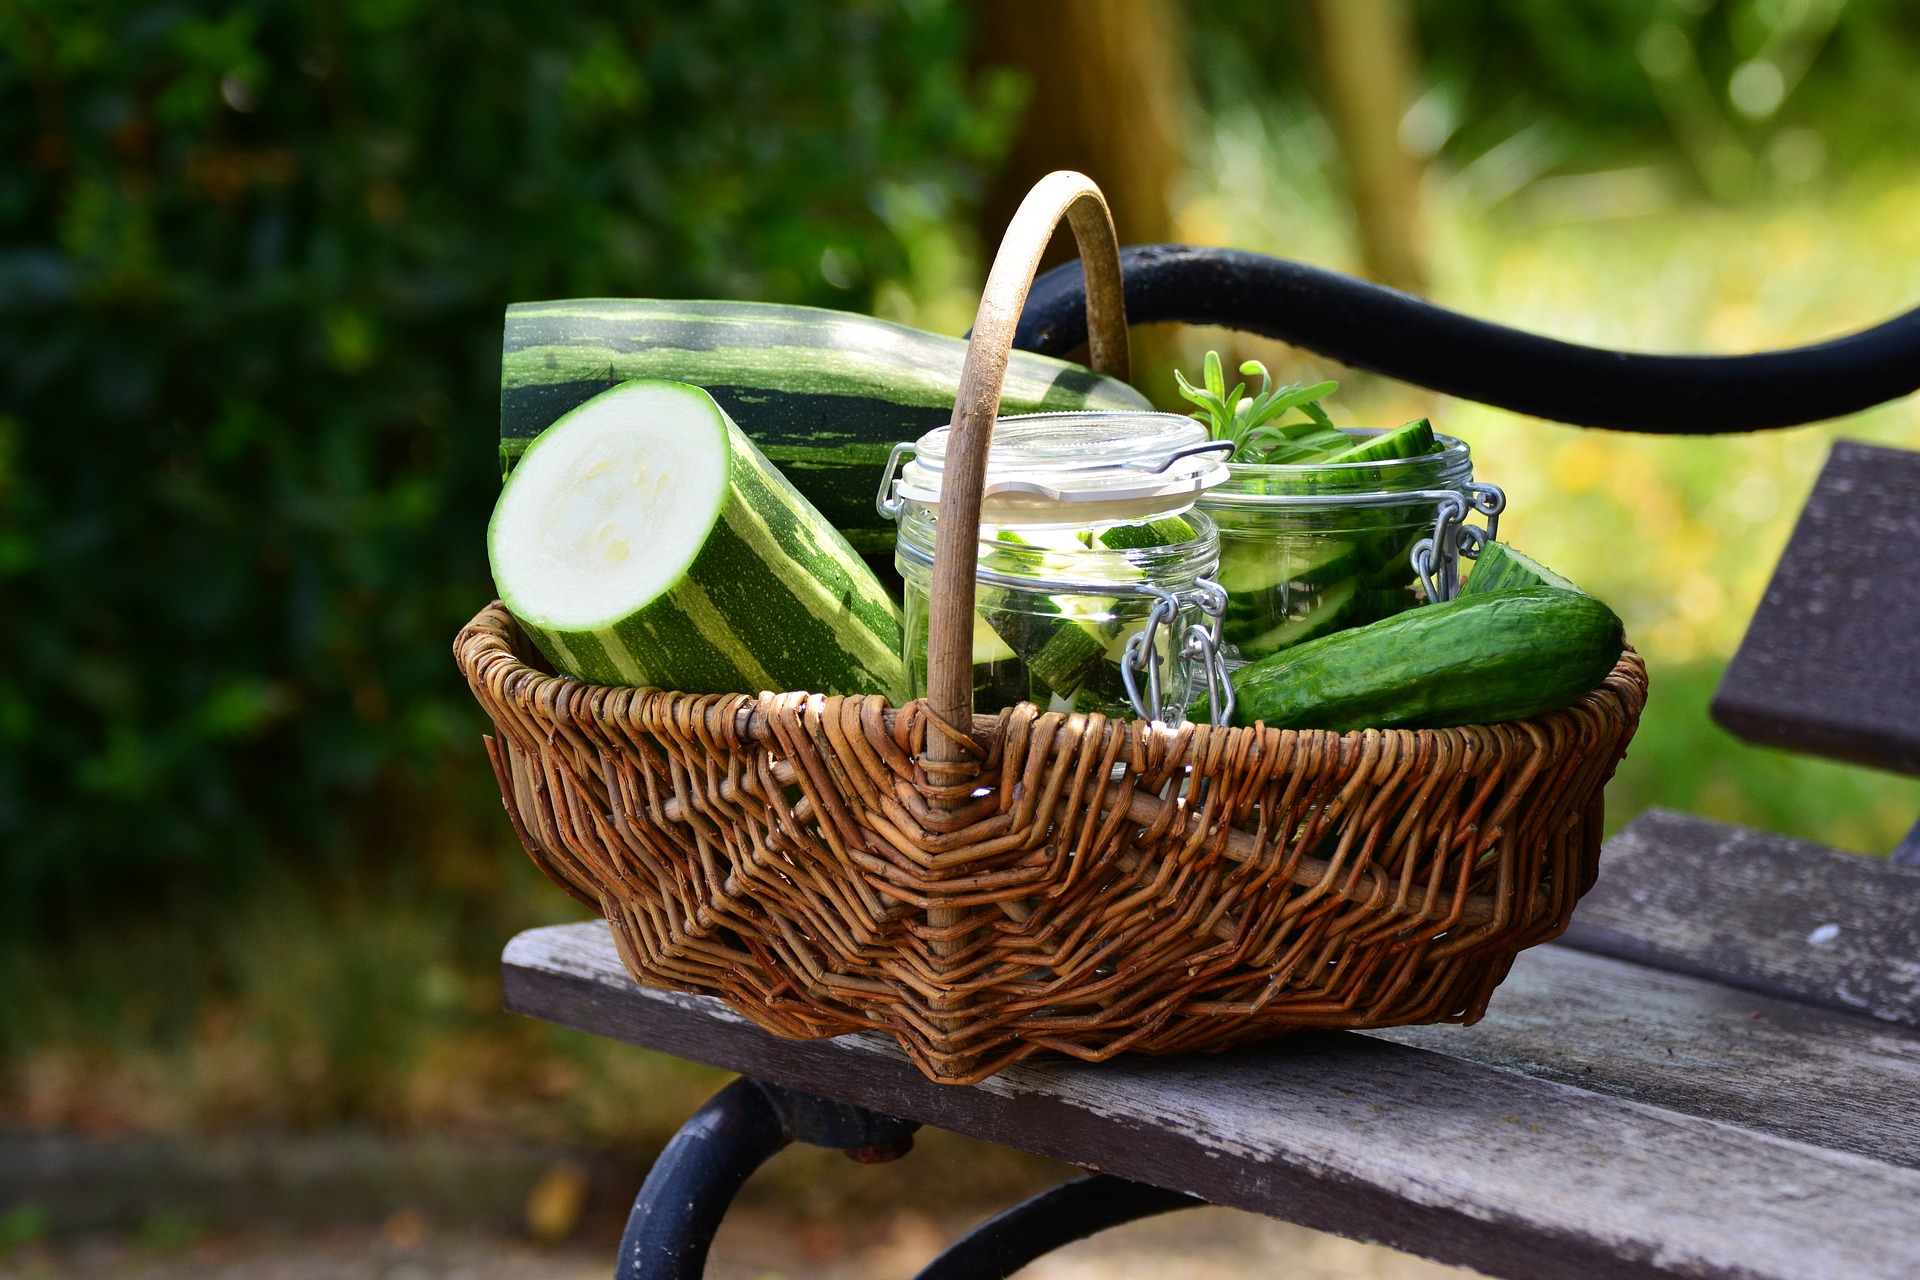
[1829, 699]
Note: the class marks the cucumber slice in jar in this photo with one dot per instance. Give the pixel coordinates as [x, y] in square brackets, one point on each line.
[988, 647]
[1048, 539]
[1249, 566]
[1164, 532]
[1409, 440]
[999, 677]
[1274, 584]
[1089, 701]
[1069, 653]
[1375, 603]
[1329, 611]
[998, 685]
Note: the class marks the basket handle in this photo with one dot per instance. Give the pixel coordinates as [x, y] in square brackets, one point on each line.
[957, 544]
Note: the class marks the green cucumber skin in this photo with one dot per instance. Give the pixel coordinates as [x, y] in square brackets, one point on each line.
[1502, 567]
[1408, 440]
[1483, 659]
[775, 600]
[824, 394]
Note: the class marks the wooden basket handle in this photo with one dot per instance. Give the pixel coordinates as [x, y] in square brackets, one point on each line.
[957, 543]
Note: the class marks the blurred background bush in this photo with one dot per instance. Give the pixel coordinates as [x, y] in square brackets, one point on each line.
[253, 258]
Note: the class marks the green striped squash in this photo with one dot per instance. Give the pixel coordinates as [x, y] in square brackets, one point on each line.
[824, 394]
[644, 540]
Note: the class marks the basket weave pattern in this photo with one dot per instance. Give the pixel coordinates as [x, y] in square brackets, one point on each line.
[1116, 886]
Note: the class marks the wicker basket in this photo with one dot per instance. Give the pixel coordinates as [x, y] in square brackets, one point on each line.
[983, 888]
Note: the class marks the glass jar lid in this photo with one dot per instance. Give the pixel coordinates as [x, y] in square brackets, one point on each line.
[1080, 468]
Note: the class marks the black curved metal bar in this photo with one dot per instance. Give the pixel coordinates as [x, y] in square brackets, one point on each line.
[693, 1182]
[1407, 338]
[1071, 1211]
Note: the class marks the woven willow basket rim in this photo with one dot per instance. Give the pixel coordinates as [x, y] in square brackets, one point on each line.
[488, 655]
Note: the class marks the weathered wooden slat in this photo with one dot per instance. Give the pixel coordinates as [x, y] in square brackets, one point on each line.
[1907, 852]
[1831, 661]
[1698, 1047]
[1759, 911]
[1480, 1165]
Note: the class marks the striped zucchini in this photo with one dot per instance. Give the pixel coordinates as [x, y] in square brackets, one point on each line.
[824, 394]
[643, 540]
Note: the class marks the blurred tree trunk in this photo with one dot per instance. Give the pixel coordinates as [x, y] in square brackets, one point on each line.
[1108, 90]
[1366, 61]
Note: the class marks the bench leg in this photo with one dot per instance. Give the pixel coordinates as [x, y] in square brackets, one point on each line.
[692, 1184]
[1071, 1211]
[1907, 853]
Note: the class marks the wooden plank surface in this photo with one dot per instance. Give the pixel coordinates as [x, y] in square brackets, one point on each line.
[1831, 1079]
[1497, 1164]
[1830, 664]
[1758, 911]
[1907, 852]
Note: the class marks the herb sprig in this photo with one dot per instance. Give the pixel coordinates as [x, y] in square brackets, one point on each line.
[1253, 422]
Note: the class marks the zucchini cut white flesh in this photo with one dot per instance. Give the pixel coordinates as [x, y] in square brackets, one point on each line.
[643, 540]
[824, 394]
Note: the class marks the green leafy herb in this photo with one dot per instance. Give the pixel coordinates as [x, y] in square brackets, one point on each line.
[1254, 423]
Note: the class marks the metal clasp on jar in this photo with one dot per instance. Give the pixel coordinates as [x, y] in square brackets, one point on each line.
[885, 502]
[1437, 559]
[1199, 644]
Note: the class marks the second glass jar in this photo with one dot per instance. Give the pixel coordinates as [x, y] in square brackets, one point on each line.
[1093, 589]
[1307, 550]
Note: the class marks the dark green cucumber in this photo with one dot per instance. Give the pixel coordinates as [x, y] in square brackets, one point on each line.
[824, 394]
[1501, 567]
[1480, 659]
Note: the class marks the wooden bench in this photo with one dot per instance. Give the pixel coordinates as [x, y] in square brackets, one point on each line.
[1715, 1073]
[1830, 664]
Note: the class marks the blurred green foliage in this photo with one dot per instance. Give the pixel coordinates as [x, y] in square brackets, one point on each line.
[1738, 97]
[252, 264]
